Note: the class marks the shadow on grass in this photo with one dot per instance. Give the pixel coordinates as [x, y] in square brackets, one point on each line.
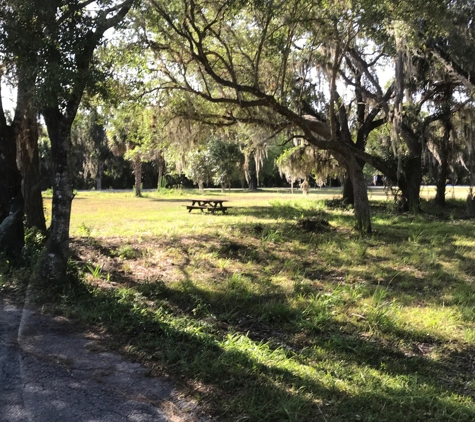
[338, 378]
[184, 201]
[280, 356]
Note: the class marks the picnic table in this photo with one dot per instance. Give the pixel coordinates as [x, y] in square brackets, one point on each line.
[209, 205]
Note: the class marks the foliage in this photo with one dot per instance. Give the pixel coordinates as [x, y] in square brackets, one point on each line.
[225, 159]
[198, 167]
[90, 146]
[301, 162]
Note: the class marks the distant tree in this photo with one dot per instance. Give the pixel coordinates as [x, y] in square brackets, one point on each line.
[90, 148]
[303, 161]
[129, 134]
[225, 160]
[198, 167]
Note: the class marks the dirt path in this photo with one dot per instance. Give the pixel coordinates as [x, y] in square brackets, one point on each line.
[50, 372]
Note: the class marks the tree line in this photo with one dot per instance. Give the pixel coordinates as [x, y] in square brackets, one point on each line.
[346, 88]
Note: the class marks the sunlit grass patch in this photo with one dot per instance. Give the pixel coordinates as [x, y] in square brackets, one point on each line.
[279, 322]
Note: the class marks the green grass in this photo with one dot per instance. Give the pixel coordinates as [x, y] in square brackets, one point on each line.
[264, 321]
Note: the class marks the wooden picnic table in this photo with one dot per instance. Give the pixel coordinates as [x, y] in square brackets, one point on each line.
[210, 205]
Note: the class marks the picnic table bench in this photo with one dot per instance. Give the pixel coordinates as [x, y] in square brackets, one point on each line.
[209, 205]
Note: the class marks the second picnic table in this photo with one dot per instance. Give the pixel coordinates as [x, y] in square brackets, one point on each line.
[210, 205]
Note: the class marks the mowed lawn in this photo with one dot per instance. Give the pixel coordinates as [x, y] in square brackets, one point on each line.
[110, 213]
[279, 311]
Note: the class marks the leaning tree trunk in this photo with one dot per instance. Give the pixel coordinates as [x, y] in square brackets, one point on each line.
[52, 265]
[361, 206]
[29, 164]
[138, 175]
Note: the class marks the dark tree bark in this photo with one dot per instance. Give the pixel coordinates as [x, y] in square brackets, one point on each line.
[410, 184]
[161, 166]
[10, 178]
[12, 232]
[52, 266]
[348, 193]
[361, 204]
[29, 164]
[443, 168]
[10, 187]
[442, 174]
[251, 173]
[100, 169]
[138, 175]
[366, 119]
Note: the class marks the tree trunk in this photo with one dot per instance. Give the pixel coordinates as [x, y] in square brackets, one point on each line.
[11, 231]
[348, 193]
[10, 178]
[100, 168]
[11, 201]
[138, 175]
[251, 173]
[361, 206]
[201, 186]
[410, 184]
[53, 262]
[443, 169]
[11, 217]
[160, 165]
[442, 173]
[305, 186]
[29, 165]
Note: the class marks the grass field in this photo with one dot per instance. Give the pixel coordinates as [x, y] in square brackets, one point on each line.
[262, 319]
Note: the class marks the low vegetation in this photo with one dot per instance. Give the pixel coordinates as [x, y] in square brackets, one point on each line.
[280, 311]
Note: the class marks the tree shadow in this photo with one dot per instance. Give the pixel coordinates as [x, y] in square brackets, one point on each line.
[320, 381]
[370, 367]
